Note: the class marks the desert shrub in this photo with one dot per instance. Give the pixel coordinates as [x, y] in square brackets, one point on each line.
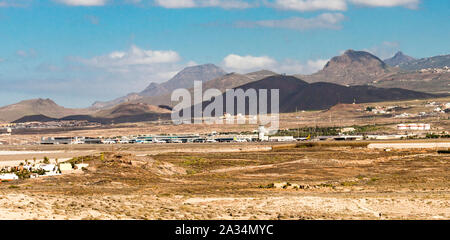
[348, 184]
[268, 186]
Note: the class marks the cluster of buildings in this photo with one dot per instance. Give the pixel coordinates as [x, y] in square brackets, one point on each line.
[435, 109]
[382, 110]
[259, 135]
[51, 124]
[445, 69]
[439, 107]
[149, 139]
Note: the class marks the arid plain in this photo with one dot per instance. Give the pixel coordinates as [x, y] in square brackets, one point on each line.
[342, 180]
[261, 180]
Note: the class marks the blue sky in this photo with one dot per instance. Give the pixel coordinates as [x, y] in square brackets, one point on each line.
[79, 51]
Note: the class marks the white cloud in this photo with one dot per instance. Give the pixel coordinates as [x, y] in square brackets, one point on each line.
[247, 63]
[134, 56]
[293, 5]
[83, 2]
[227, 4]
[2, 60]
[175, 3]
[310, 5]
[128, 71]
[323, 21]
[413, 4]
[290, 66]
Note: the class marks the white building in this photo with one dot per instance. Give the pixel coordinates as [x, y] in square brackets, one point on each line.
[347, 130]
[282, 139]
[65, 167]
[262, 131]
[48, 167]
[8, 176]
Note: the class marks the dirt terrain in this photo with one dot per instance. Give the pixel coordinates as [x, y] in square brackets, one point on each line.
[329, 181]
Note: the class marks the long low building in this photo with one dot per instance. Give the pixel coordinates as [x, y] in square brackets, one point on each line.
[414, 126]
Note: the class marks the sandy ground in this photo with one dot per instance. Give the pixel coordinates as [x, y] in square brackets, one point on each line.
[231, 182]
[299, 206]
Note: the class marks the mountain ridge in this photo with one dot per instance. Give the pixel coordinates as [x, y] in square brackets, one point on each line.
[398, 58]
[183, 79]
[296, 94]
[439, 61]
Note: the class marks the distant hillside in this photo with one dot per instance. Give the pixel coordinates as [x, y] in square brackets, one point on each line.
[123, 113]
[431, 82]
[222, 83]
[39, 106]
[351, 68]
[296, 94]
[184, 79]
[104, 105]
[431, 62]
[398, 58]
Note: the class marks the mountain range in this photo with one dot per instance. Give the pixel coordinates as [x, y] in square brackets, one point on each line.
[222, 83]
[353, 75]
[296, 94]
[122, 113]
[362, 68]
[183, 79]
[423, 63]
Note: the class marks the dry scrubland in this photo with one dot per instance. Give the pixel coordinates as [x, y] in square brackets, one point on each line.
[238, 181]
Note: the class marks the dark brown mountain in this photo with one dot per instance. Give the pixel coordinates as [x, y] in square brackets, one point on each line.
[296, 94]
[128, 109]
[35, 118]
[351, 68]
[398, 58]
